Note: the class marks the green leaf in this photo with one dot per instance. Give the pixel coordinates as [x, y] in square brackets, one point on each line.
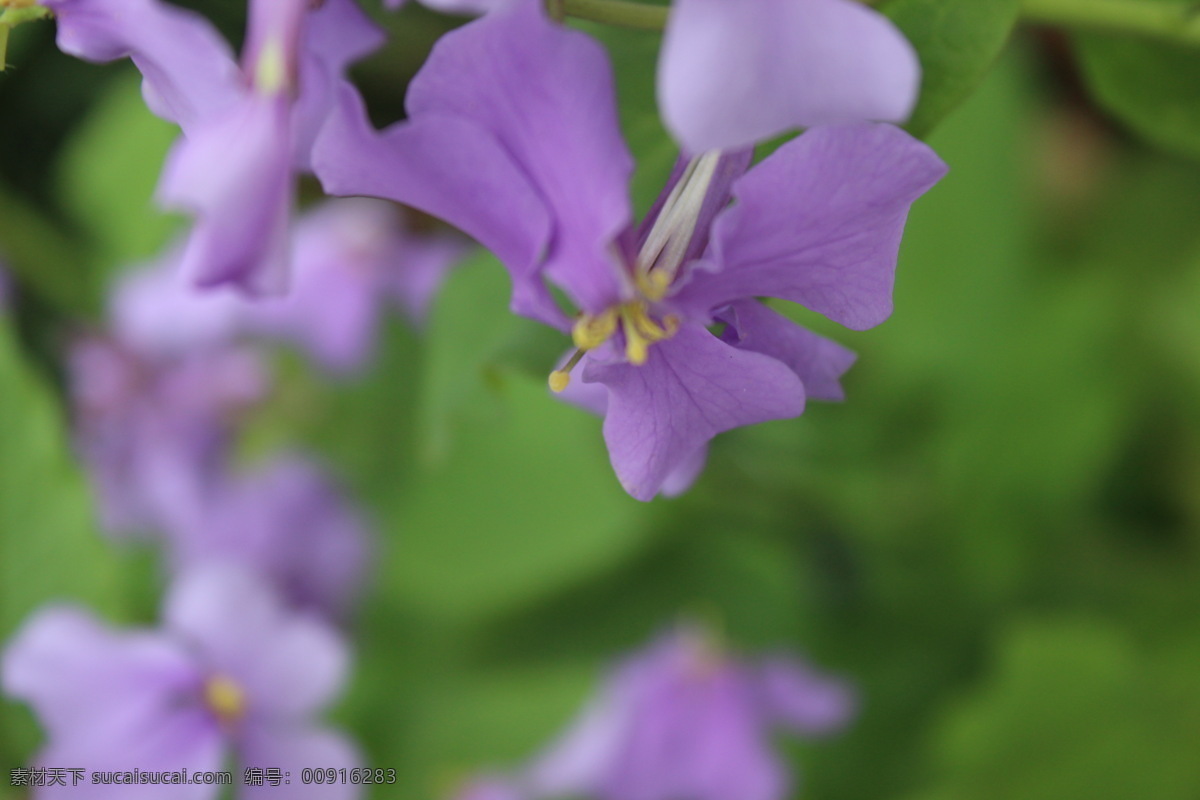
[1073, 710]
[49, 549]
[957, 42]
[1151, 87]
[45, 259]
[512, 494]
[108, 173]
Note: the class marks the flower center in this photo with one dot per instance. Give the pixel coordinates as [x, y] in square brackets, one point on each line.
[224, 698]
[657, 265]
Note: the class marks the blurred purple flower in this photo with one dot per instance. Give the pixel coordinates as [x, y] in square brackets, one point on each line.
[683, 719]
[247, 129]
[232, 677]
[350, 258]
[540, 176]
[153, 431]
[289, 523]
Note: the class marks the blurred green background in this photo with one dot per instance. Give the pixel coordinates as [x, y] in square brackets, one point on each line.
[997, 535]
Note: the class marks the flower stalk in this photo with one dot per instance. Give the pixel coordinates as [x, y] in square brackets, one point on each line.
[1162, 20]
[622, 13]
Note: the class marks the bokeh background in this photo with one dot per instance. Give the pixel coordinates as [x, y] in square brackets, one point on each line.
[996, 537]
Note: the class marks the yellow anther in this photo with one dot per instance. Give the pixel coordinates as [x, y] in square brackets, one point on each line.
[593, 330]
[270, 73]
[225, 698]
[653, 284]
[559, 380]
[635, 317]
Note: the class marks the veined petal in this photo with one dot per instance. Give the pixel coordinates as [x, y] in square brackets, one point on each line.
[692, 387]
[545, 93]
[451, 168]
[188, 68]
[733, 73]
[819, 223]
[819, 362]
[234, 173]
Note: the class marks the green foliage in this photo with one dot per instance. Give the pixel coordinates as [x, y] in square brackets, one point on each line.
[1151, 87]
[107, 175]
[957, 42]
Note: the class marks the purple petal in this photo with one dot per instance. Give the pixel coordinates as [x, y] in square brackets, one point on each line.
[819, 362]
[188, 68]
[491, 789]
[692, 387]
[289, 665]
[546, 94]
[452, 169]
[292, 749]
[819, 223]
[351, 257]
[337, 34]
[680, 479]
[158, 312]
[77, 673]
[271, 52]
[734, 73]
[799, 698]
[234, 174]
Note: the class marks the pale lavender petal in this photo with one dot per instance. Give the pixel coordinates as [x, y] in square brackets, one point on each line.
[289, 523]
[234, 174]
[819, 362]
[292, 749]
[680, 479]
[450, 168]
[461, 6]
[77, 673]
[797, 697]
[189, 70]
[351, 258]
[819, 223]
[546, 94]
[692, 387]
[289, 665]
[733, 73]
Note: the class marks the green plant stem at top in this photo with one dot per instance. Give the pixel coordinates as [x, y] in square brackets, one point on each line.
[1164, 20]
[1155, 19]
[623, 13]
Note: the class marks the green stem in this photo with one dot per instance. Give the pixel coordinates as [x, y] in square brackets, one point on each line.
[623, 13]
[1155, 19]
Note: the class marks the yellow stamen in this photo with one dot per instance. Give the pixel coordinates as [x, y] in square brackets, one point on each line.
[225, 698]
[561, 378]
[270, 73]
[593, 330]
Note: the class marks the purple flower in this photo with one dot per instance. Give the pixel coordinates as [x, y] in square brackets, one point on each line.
[247, 129]
[289, 523]
[538, 173]
[154, 431]
[351, 257]
[683, 719]
[232, 679]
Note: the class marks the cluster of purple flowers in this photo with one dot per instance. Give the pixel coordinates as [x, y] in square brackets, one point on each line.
[511, 136]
